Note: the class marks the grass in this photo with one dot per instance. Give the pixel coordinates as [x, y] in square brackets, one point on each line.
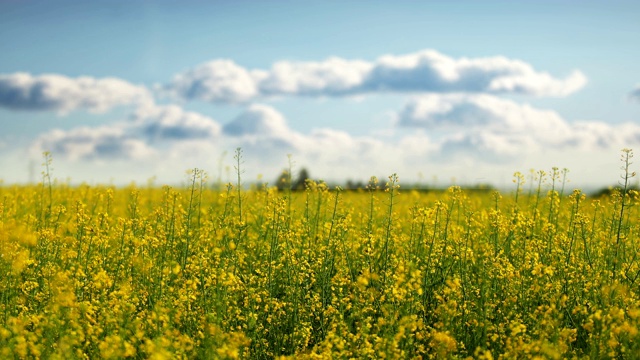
[103, 272]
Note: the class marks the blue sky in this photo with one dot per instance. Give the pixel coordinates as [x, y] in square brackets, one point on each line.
[122, 91]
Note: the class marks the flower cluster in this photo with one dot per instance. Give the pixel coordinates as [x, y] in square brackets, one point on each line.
[103, 272]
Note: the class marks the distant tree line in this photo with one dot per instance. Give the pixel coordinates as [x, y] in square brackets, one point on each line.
[285, 180]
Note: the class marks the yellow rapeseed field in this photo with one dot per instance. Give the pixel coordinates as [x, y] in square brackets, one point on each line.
[146, 272]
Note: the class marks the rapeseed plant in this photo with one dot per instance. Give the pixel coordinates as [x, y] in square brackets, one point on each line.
[229, 272]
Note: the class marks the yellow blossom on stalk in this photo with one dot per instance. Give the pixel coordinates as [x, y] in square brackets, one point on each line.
[101, 280]
[443, 343]
[21, 259]
[205, 271]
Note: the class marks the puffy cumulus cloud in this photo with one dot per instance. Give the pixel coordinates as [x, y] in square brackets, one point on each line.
[259, 120]
[264, 136]
[170, 132]
[424, 71]
[334, 76]
[432, 71]
[218, 81]
[51, 92]
[485, 112]
[495, 129]
[150, 129]
[171, 122]
[84, 143]
[530, 82]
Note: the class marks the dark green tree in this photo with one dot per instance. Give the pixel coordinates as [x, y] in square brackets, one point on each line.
[301, 181]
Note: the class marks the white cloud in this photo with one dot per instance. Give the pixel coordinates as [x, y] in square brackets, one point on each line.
[263, 134]
[51, 92]
[480, 131]
[431, 71]
[150, 129]
[175, 139]
[171, 122]
[596, 135]
[84, 143]
[216, 81]
[482, 112]
[260, 120]
[540, 84]
[424, 71]
[334, 76]
[450, 140]
[497, 129]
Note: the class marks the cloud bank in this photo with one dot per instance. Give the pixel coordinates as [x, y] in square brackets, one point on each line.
[51, 92]
[100, 143]
[495, 129]
[445, 131]
[453, 119]
[223, 81]
[149, 130]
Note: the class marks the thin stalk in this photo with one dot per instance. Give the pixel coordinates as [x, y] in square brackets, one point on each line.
[392, 186]
[627, 154]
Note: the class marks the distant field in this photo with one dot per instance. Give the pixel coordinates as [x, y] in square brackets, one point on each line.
[99, 272]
